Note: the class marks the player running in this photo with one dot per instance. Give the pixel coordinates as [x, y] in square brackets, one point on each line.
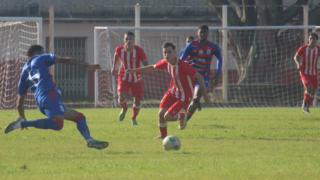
[188, 40]
[180, 92]
[201, 52]
[131, 55]
[308, 69]
[36, 76]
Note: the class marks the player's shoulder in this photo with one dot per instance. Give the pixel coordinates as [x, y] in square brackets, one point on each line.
[119, 47]
[318, 47]
[138, 48]
[213, 44]
[182, 62]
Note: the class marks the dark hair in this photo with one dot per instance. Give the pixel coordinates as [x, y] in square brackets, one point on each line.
[129, 33]
[32, 49]
[190, 37]
[314, 34]
[167, 44]
[203, 27]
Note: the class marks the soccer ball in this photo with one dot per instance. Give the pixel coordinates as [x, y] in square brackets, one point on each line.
[171, 142]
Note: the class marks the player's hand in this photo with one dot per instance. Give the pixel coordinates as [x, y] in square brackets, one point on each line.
[206, 99]
[216, 79]
[129, 71]
[299, 68]
[94, 67]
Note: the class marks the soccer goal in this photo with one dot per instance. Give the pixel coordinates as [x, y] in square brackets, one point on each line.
[260, 71]
[16, 35]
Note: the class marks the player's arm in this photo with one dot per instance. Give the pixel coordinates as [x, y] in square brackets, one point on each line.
[146, 69]
[186, 52]
[145, 63]
[115, 62]
[72, 61]
[202, 87]
[219, 66]
[296, 61]
[20, 106]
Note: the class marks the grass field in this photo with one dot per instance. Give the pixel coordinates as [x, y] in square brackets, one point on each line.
[224, 143]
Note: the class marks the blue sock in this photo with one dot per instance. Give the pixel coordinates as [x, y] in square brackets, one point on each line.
[83, 128]
[42, 124]
[188, 117]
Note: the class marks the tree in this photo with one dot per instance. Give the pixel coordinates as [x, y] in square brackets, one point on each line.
[248, 57]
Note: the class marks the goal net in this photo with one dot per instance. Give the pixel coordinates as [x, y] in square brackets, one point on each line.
[16, 35]
[260, 69]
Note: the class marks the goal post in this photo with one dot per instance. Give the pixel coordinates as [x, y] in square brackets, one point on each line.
[16, 35]
[260, 67]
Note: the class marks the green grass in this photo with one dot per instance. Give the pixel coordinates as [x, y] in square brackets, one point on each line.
[224, 143]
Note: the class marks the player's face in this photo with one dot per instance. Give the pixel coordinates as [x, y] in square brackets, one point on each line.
[203, 34]
[169, 53]
[312, 40]
[128, 40]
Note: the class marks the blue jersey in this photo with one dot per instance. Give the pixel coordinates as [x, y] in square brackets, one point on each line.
[36, 76]
[200, 56]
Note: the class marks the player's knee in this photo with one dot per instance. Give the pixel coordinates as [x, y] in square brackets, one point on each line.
[59, 124]
[79, 117]
[161, 114]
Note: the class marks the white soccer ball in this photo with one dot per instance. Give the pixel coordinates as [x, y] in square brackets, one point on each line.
[171, 142]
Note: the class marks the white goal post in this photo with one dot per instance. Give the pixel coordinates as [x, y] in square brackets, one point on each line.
[16, 35]
[260, 69]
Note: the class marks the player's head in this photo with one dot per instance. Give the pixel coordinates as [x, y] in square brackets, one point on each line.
[34, 49]
[128, 38]
[168, 50]
[313, 38]
[189, 39]
[203, 32]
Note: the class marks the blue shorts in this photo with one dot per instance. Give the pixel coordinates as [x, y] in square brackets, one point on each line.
[206, 81]
[50, 104]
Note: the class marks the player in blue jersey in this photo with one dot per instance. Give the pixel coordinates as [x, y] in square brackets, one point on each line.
[36, 76]
[188, 40]
[198, 54]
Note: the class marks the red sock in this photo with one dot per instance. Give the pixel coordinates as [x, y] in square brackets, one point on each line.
[189, 112]
[135, 112]
[124, 105]
[163, 129]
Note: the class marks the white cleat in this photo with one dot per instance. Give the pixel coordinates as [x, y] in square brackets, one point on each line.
[183, 122]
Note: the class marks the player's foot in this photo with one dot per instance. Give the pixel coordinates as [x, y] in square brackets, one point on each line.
[14, 125]
[183, 122]
[92, 143]
[134, 122]
[199, 107]
[122, 115]
[305, 108]
[159, 137]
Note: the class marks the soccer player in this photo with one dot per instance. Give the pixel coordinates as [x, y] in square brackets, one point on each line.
[201, 52]
[131, 55]
[188, 40]
[36, 76]
[308, 69]
[180, 92]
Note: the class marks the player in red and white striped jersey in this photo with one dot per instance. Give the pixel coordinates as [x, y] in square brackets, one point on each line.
[308, 69]
[130, 55]
[180, 92]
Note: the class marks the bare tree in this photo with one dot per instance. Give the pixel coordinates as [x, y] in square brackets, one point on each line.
[247, 55]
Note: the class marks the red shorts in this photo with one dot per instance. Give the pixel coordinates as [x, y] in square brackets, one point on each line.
[173, 104]
[309, 79]
[135, 88]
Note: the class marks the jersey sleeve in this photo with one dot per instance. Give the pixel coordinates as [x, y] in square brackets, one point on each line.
[162, 64]
[184, 55]
[219, 59]
[187, 69]
[300, 51]
[118, 50]
[49, 59]
[142, 55]
[22, 86]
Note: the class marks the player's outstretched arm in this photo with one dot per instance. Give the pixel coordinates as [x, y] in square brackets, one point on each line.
[146, 69]
[296, 61]
[72, 61]
[202, 87]
[20, 106]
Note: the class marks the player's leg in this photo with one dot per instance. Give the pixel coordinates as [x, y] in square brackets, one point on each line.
[194, 103]
[50, 105]
[137, 93]
[312, 89]
[307, 92]
[123, 89]
[83, 128]
[175, 113]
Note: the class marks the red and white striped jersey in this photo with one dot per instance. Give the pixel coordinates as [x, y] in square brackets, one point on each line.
[130, 60]
[309, 61]
[182, 82]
